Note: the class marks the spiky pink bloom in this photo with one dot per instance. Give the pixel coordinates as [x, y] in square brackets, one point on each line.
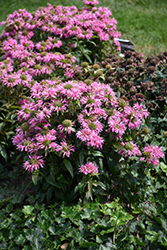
[151, 154]
[91, 2]
[134, 151]
[89, 168]
[65, 149]
[34, 163]
[90, 137]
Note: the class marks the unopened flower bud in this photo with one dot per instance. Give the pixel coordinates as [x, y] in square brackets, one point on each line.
[165, 134]
[122, 103]
[151, 69]
[146, 130]
[98, 73]
[84, 64]
[96, 66]
[11, 79]
[43, 54]
[88, 81]
[37, 66]
[67, 123]
[68, 56]
[24, 126]
[90, 101]
[133, 119]
[33, 112]
[92, 125]
[68, 86]
[26, 143]
[23, 77]
[44, 131]
[27, 111]
[133, 90]
[26, 44]
[43, 43]
[58, 104]
[110, 112]
[146, 154]
[129, 146]
[108, 66]
[140, 67]
[25, 33]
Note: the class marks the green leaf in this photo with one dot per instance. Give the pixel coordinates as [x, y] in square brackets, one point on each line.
[97, 153]
[152, 236]
[20, 239]
[6, 200]
[163, 166]
[69, 167]
[27, 210]
[44, 226]
[3, 152]
[103, 232]
[88, 244]
[82, 156]
[164, 243]
[27, 248]
[138, 242]
[163, 222]
[35, 174]
[118, 145]
[51, 181]
[88, 57]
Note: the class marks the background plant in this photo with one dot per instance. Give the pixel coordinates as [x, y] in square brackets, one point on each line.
[142, 22]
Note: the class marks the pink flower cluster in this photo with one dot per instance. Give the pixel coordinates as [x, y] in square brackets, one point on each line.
[131, 149]
[59, 114]
[89, 168]
[62, 114]
[151, 154]
[91, 2]
[37, 46]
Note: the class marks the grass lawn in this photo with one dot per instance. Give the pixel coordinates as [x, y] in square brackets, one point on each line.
[143, 22]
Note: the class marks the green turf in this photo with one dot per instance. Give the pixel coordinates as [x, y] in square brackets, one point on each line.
[143, 22]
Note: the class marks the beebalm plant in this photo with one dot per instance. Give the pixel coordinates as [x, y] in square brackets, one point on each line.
[82, 32]
[81, 127]
[78, 135]
[48, 43]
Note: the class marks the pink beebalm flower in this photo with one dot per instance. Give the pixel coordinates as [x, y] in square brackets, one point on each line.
[34, 163]
[90, 137]
[151, 154]
[65, 149]
[131, 149]
[89, 168]
[91, 2]
[66, 128]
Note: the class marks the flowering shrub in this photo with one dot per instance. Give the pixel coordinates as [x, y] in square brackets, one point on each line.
[91, 126]
[60, 115]
[74, 128]
[47, 44]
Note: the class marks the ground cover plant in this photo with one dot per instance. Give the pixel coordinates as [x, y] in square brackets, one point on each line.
[88, 129]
